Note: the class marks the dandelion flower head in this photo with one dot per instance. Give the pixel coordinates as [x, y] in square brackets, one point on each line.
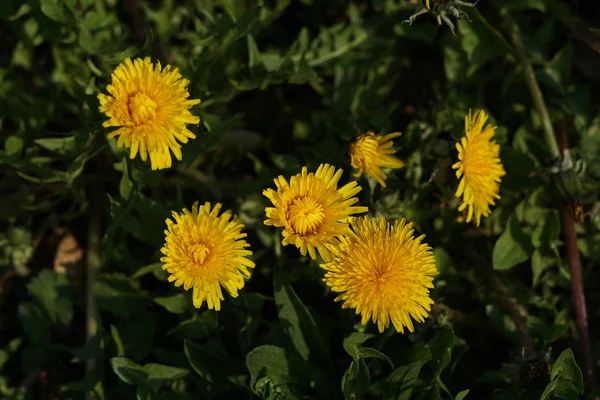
[150, 107]
[205, 251]
[479, 167]
[369, 153]
[311, 209]
[383, 272]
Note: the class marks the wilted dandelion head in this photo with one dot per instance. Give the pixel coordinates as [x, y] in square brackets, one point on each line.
[205, 251]
[383, 272]
[150, 108]
[479, 167]
[311, 209]
[369, 153]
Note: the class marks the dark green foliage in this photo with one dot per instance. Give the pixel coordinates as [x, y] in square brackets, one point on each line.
[285, 84]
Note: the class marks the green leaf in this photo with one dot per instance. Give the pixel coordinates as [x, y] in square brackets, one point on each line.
[159, 372]
[273, 363]
[155, 269]
[35, 324]
[404, 379]
[199, 327]
[209, 360]
[146, 393]
[60, 146]
[54, 9]
[353, 343]
[125, 185]
[566, 367]
[512, 247]
[356, 380]
[253, 53]
[13, 145]
[299, 325]
[462, 395]
[566, 379]
[547, 231]
[539, 264]
[176, 304]
[119, 294]
[441, 351]
[117, 339]
[128, 371]
[561, 389]
[51, 292]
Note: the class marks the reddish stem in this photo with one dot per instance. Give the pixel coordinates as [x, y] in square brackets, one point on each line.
[578, 296]
[578, 292]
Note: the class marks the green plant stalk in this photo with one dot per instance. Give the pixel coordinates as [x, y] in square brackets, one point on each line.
[534, 88]
[568, 224]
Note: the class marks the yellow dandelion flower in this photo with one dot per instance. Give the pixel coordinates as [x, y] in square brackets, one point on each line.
[311, 209]
[150, 107]
[205, 252]
[369, 153]
[479, 166]
[383, 272]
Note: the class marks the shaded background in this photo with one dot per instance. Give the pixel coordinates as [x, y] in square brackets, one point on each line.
[285, 84]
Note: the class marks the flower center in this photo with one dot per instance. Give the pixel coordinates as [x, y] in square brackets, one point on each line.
[305, 215]
[198, 253]
[141, 108]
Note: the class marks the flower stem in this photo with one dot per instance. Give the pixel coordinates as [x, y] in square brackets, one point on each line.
[534, 87]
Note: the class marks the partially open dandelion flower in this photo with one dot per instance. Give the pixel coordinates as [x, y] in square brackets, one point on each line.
[205, 251]
[383, 272]
[311, 209]
[150, 107]
[369, 153]
[479, 166]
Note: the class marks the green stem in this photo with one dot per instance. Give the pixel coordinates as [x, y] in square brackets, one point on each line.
[534, 88]
[344, 49]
